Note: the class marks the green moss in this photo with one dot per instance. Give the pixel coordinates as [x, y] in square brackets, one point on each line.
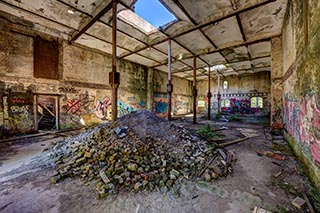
[313, 170]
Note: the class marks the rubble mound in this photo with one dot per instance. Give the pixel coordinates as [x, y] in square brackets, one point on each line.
[140, 151]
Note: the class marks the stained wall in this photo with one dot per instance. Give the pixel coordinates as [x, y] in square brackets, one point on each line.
[301, 82]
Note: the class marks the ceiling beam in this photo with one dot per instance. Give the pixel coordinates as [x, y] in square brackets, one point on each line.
[91, 22]
[203, 25]
[255, 58]
[244, 37]
[229, 47]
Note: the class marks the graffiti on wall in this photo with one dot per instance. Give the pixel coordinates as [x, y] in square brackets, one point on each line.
[180, 105]
[302, 120]
[124, 108]
[103, 108]
[309, 122]
[74, 108]
[131, 104]
[239, 106]
[18, 113]
[160, 105]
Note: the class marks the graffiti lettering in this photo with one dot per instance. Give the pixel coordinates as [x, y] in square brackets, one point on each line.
[102, 107]
[19, 109]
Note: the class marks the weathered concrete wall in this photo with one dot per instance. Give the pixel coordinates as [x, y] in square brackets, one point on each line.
[181, 96]
[301, 81]
[82, 91]
[239, 91]
[276, 80]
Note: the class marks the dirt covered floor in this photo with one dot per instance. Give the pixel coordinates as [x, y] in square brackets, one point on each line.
[261, 173]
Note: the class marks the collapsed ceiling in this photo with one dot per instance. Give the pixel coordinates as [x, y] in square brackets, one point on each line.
[235, 33]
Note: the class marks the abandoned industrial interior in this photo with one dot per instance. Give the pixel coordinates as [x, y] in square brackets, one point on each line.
[216, 110]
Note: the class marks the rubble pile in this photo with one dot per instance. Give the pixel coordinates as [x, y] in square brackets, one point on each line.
[141, 151]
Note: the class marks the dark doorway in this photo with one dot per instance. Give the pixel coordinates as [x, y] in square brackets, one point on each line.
[47, 112]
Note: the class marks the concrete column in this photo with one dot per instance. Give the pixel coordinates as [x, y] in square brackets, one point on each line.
[219, 95]
[276, 80]
[150, 89]
[194, 92]
[209, 95]
[169, 85]
[114, 76]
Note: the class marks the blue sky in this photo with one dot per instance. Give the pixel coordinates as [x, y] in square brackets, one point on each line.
[154, 12]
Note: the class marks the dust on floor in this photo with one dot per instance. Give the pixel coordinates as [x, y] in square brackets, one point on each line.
[26, 169]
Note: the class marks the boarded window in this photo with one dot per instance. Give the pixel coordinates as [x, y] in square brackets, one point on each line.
[46, 56]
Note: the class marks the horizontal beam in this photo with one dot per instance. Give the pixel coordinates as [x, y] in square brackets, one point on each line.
[203, 25]
[91, 22]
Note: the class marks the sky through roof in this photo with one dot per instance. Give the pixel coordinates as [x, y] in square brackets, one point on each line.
[153, 12]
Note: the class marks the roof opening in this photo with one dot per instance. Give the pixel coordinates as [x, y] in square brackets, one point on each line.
[153, 12]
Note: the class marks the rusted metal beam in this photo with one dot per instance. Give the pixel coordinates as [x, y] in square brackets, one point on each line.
[204, 25]
[194, 91]
[169, 85]
[92, 21]
[209, 95]
[114, 76]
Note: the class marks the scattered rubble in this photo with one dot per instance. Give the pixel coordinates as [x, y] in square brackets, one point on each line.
[140, 151]
[299, 202]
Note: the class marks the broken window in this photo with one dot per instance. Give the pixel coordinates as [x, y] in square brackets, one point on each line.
[46, 56]
[256, 102]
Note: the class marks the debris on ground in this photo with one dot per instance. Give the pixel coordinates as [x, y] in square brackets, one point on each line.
[270, 154]
[299, 202]
[260, 210]
[139, 151]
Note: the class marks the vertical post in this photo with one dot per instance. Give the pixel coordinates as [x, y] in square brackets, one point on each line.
[219, 95]
[114, 76]
[305, 21]
[35, 112]
[194, 91]
[169, 85]
[209, 95]
[57, 113]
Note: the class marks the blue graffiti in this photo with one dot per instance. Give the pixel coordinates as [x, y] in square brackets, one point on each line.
[160, 107]
[124, 108]
[142, 104]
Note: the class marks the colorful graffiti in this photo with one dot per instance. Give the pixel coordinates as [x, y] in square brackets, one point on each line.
[124, 108]
[309, 123]
[239, 106]
[18, 114]
[74, 108]
[302, 120]
[180, 105]
[103, 108]
[160, 105]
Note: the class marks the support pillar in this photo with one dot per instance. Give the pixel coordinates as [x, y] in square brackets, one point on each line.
[209, 95]
[150, 89]
[194, 91]
[114, 76]
[169, 85]
[219, 95]
[276, 80]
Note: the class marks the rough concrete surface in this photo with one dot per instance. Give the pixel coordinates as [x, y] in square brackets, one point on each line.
[26, 170]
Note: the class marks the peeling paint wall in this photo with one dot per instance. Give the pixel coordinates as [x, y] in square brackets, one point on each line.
[239, 91]
[301, 81]
[83, 90]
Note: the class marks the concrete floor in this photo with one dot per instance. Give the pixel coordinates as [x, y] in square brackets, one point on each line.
[25, 171]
